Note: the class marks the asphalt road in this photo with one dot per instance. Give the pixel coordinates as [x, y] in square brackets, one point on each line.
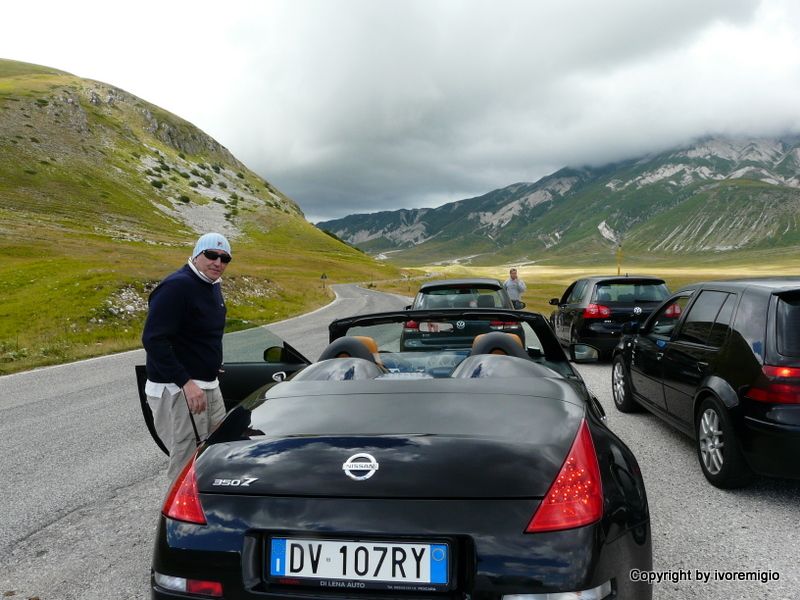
[699, 527]
[83, 483]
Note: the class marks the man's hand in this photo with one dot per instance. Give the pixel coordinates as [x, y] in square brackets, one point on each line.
[195, 397]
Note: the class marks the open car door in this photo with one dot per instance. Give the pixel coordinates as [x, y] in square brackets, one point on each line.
[251, 359]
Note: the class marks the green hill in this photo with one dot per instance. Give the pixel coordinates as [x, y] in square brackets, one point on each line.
[102, 194]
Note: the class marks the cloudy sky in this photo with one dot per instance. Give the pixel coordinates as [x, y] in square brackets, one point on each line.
[362, 105]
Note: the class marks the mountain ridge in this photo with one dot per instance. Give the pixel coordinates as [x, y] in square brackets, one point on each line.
[591, 210]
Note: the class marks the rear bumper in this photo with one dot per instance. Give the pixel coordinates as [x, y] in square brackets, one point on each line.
[491, 558]
[771, 448]
[600, 336]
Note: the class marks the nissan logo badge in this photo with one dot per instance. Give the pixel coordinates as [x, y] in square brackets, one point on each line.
[360, 466]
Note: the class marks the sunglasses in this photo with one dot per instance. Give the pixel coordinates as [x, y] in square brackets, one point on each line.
[211, 255]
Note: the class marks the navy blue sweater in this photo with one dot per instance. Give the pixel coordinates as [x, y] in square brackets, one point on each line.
[183, 331]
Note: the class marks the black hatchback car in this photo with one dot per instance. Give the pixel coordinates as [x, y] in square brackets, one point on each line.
[720, 361]
[451, 295]
[594, 309]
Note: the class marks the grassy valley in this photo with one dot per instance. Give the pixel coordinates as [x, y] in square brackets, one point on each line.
[103, 194]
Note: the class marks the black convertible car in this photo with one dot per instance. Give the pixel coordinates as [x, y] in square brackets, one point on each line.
[484, 472]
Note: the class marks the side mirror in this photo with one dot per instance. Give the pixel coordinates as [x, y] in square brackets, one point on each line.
[583, 353]
[521, 305]
[631, 327]
[274, 355]
[553, 301]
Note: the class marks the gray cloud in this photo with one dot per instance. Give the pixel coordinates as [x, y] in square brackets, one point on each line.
[358, 106]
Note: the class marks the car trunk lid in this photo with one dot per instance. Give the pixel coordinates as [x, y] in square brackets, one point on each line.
[445, 444]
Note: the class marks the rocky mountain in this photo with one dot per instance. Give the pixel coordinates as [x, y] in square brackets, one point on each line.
[715, 195]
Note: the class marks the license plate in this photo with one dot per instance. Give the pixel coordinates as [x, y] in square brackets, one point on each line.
[354, 564]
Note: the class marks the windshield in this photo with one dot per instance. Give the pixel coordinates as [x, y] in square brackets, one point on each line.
[435, 343]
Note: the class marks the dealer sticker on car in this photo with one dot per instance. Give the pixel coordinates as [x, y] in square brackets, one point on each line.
[360, 561]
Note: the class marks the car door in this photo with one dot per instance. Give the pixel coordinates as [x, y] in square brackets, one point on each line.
[246, 367]
[690, 355]
[570, 307]
[648, 350]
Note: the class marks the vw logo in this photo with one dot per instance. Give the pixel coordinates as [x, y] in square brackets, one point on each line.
[360, 466]
[637, 310]
[460, 324]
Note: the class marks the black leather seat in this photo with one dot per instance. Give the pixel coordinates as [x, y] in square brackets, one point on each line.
[347, 347]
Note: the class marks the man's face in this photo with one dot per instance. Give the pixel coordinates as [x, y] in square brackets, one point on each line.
[209, 263]
[513, 273]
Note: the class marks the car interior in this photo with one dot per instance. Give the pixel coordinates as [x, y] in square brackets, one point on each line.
[361, 360]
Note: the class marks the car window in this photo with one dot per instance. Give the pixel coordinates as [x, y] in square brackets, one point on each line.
[577, 292]
[750, 321]
[474, 297]
[789, 325]
[632, 292]
[719, 332]
[665, 320]
[697, 325]
[248, 345]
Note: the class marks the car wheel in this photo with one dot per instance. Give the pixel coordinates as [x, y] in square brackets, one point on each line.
[717, 447]
[621, 389]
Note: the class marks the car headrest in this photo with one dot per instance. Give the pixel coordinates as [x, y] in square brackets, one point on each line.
[349, 347]
[370, 343]
[498, 342]
[485, 301]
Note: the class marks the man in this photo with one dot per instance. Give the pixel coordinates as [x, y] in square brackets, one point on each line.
[515, 288]
[183, 339]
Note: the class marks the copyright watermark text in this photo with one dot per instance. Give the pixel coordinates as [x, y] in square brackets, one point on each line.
[702, 576]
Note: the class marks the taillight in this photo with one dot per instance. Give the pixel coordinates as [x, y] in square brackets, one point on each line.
[410, 326]
[207, 588]
[575, 498]
[503, 325]
[596, 311]
[191, 586]
[780, 385]
[673, 311]
[183, 500]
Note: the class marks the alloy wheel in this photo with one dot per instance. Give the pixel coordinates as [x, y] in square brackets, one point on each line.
[618, 383]
[711, 442]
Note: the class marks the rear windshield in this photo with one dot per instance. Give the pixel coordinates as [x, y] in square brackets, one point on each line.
[789, 325]
[461, 298]
[642, 291]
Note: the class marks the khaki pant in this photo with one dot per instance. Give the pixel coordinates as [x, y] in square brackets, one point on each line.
[174, 427]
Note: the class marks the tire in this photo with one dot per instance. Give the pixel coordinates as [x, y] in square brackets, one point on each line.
[621, 387]
[718, 450]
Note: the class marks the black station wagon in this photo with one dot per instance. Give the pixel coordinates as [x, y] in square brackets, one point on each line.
[720, 361]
